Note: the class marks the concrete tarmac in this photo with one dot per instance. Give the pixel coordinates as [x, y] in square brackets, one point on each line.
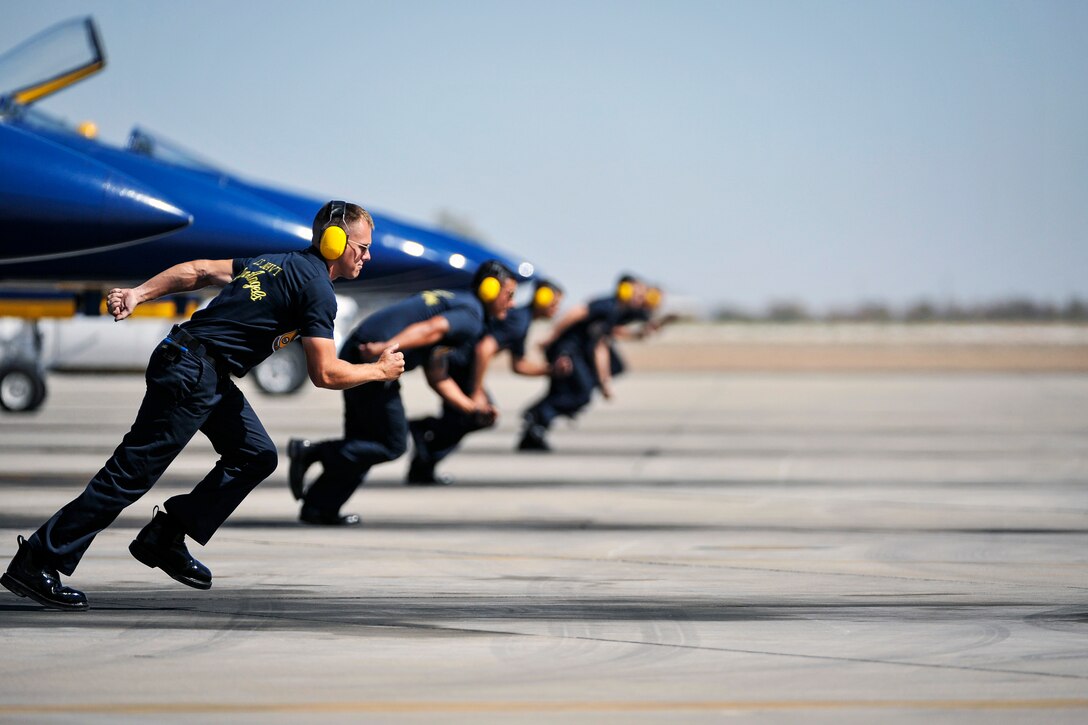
[847, 547]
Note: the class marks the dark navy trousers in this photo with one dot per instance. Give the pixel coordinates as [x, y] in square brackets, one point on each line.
[567, 394]
[375, 431]
[437, 437]
[184, 394]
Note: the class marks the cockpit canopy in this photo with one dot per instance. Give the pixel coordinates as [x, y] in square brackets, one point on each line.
[50, 61]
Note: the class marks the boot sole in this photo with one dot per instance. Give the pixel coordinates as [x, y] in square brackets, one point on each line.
[17, 588]
[534, 448]
[436, 481]
[146, 555]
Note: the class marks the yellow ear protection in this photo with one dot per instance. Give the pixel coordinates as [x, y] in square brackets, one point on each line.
[625, 290]
[489, 289]
[489, 279]
[543, 297]
[653, 297]
[334, 238]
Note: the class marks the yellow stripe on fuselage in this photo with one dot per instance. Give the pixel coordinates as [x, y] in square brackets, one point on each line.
[37, 309]
[31, 309]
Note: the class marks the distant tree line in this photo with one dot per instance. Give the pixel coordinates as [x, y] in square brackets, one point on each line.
[1009, 310]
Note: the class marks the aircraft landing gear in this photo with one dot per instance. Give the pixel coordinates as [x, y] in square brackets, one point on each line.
[283, 373]
[22, 386]
[22, 372]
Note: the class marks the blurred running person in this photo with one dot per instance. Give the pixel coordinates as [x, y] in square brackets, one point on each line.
[435, 438]
[578, 350]
[375, 426]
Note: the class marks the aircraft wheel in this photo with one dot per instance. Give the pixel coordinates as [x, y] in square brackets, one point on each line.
[22, 387]
[283, 373]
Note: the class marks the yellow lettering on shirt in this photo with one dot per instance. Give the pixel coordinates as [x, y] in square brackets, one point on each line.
[265, 266]
[253, 284]
[432, 296]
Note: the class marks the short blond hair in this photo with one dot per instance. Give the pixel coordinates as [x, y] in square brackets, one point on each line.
[352, 214]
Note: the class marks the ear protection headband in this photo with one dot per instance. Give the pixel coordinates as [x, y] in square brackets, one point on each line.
[543, 297]
[334, 237]
[489, 288]
[625, 290]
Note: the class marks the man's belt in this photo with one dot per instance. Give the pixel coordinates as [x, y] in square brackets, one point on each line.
[187, 342]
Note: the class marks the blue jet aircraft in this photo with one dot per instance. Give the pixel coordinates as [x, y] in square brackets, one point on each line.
[77, 215]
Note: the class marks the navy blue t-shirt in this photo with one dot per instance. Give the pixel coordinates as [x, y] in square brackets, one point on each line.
[626, 315]
[461, 308]
[605, 314]
[510, 333]
[272, 300]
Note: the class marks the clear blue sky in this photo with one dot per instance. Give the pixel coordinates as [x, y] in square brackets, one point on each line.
[740, 152]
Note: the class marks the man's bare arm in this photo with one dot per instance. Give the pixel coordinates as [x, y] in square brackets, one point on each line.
[450, 392]
[521, 366]
[486, 349]
[623, 332]
[573, 317]
[602, 359]
[184, 277]
[419, 334]
[326, 370]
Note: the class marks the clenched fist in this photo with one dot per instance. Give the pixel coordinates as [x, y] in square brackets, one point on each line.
[121, 303]
[391, 363]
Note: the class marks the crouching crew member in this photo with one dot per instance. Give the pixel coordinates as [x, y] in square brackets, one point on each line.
[652, 323]
[265, 303]
[375, 427]
[434, 438]
[578, 350]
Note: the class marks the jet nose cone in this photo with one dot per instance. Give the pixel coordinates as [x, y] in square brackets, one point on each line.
[134, 212]
[57, 203]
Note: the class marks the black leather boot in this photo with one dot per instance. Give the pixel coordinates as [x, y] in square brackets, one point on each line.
[302, 454]
[533, 438]
[162, 544]
[421, 473]
[27, 576]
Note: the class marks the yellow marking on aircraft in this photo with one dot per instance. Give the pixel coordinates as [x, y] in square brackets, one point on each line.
[33, 309]
[36, 309]
[33, 93]
[223, 708]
